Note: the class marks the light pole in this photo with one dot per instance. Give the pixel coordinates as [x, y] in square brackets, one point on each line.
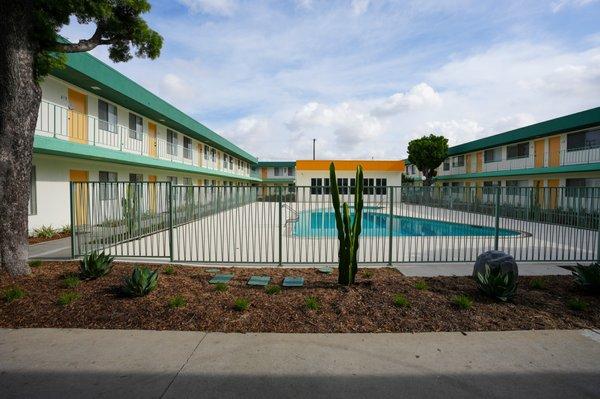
[314, 140]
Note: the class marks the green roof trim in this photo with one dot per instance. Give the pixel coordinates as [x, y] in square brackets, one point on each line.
[589, 167]
[84, 70]
[576, 121]
[52, 146]
[267, 164]
[278, 180]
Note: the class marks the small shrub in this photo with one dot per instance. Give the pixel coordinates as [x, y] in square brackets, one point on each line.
[537, 284]
[577, 304]
[241, 304]
[141, 282]
[588, 277]
[169, 270]
[367, 274]
[66, 298]
[400, 301]
[177, 301]
[66, 229]
[272, 289]
[35, 263]
[496, 283]
[95, 265]
[71, 281]
[421, 285]
[12, 294]
[44, 232]
[462, 301]
[221, 287]
[312, 303]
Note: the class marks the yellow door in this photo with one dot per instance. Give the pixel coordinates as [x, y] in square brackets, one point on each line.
[77, 117]
[80, 196]
[553, 192]
[479, 161]
[479, 189]
[152, 192]
[554, 151]
[539, 146]
[263, 172]
[468, 163]
[152, 140]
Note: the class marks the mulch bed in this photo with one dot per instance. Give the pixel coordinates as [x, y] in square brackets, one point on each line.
[366, 307]
[37, 240]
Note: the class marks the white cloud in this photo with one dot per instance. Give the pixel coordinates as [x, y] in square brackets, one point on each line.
[215, 7]
[561, 4]
[175, 89]
[360, 6]
[419, 96]
[304, 4]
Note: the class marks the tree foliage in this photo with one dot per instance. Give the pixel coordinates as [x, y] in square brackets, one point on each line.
[118, 25]
[427, 153]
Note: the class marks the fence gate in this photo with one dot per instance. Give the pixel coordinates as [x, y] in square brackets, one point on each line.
[289, 225]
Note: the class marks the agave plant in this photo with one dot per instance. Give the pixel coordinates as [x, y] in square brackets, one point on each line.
[348, 230]
[95, 264]
[497, 283]
[141, 283]
[588, 277]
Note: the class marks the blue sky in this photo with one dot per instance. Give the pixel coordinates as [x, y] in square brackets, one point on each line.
[364, 77]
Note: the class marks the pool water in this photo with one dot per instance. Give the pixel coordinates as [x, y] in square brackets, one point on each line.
[321, 223]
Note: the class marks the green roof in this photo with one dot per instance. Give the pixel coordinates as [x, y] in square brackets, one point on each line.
[589, 167]
[84, 70]
[276, 163]
[576, 121]
[53, 146]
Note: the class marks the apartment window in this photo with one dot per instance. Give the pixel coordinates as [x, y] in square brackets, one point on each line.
[326, 186]
[368, 186]
[290, 171]
[516, 187]
[493, 155]
[316, 184]
[108, 188]
[107, 116]
[343, 185]
[516, 151]
[172, 179]
[458, 161]
[276, 171]
[381, 186]
[225, 161]
[213, 154]
[455, 187]
[32, 193]
[206, 149]
[171, 142]
[136, 126]
[583, 140]
[213, 183]
[136, 177]
[582, 187]
[187, 147]
[488, 186]
[231, 162]
[446, 164]
[187, 181]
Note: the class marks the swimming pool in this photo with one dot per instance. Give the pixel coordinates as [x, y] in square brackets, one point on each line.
[321, 223]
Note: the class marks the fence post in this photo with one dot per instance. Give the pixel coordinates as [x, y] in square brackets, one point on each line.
[170, 187]
[280, 227]
[72, 221]
[391, 190]
[497, 217]
[598, 241]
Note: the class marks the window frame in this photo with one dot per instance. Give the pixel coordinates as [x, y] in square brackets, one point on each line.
[134, 133]
[518, 155]
[106, 107]
[108, 190]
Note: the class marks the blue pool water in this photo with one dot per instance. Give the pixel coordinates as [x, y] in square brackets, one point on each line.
[375, 224]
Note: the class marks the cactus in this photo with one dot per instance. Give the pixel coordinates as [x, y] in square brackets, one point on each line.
[348, 231]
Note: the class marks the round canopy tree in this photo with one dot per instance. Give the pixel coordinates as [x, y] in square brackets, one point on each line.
[30, 48]
[427, 153]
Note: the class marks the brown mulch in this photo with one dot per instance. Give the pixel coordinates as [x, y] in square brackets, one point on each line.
[37, 240]
[365, 307]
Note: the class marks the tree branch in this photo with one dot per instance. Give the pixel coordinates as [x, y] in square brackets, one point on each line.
[83, 45]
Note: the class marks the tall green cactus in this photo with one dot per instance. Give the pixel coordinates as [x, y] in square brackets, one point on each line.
[348, 231]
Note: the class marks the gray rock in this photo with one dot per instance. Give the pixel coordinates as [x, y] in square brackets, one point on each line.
[496, 259]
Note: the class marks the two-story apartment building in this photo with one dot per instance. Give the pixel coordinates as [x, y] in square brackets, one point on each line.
[277, 173]
[95, 124]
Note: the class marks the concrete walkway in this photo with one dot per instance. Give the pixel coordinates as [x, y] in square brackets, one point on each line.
[50, 363]
[54, 249]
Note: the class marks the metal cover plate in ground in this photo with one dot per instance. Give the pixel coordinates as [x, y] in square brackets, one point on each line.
[259, 280]
[221, 278]
[326, 270]
[213, 271]
[293, 281]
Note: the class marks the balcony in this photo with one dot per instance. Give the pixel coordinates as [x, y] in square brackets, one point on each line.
[62, 123]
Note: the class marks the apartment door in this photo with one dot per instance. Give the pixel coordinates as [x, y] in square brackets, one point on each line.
[480, 162]
[468, 163]
[152, 193]
[539, 148]
[553, 193]
[80, 196]
[554, 151]
[152, 139]
[539, 193]
[77, 126]
[479, 189]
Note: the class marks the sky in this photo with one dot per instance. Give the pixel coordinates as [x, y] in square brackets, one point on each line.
[364, 77]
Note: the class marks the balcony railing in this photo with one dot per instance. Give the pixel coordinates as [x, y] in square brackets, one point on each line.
[65, 124]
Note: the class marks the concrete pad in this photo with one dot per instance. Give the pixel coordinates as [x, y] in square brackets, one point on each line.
[531, 364]
[57, 363]
[55, 249]
[466, 269]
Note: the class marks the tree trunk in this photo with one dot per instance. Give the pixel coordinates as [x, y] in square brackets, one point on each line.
[20, 97]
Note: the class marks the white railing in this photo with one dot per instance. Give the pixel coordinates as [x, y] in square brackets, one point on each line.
[64, 124]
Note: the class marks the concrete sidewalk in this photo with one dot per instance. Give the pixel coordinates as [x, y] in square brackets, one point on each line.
[53, 363]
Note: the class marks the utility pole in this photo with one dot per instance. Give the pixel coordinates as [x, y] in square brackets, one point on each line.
[314, 140]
